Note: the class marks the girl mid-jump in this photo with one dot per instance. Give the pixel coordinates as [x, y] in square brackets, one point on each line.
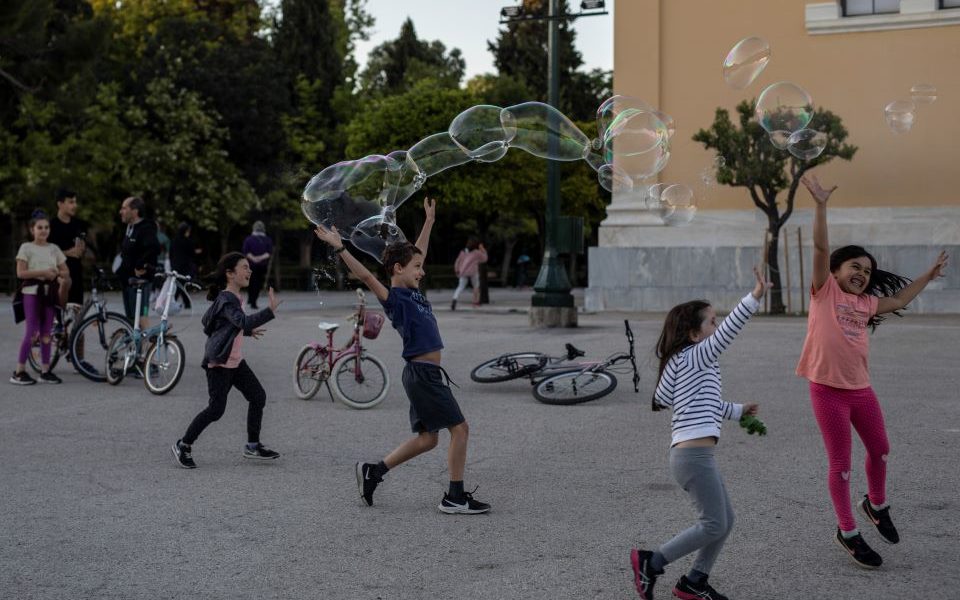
[848, 294]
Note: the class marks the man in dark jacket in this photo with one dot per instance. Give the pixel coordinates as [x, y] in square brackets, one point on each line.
[138, 256]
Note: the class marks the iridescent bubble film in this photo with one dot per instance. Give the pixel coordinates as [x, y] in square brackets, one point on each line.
[745, 61]
[784, 106]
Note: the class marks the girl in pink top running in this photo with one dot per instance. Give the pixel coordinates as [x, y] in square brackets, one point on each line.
[849, 294]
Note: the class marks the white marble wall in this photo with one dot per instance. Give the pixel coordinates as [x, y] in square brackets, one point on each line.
[654, 267]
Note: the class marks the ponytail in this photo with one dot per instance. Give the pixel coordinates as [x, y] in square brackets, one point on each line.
[228, 262]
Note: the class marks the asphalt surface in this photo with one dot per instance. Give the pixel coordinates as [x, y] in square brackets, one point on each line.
[93, 505]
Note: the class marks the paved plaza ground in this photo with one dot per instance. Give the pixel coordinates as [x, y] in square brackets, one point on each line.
[93, 505]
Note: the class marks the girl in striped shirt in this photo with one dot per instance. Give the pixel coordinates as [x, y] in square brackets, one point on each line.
[689, 349]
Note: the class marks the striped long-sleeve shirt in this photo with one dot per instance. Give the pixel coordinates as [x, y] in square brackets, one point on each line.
[691, 383]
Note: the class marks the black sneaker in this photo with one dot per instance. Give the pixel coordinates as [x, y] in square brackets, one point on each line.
[688, 590]
[22, 378]
[49, 377]
[181, 452]
[644, 577]
[367, 481]
[261, 452]
[859, 551]
[462, 506]
[881, 520]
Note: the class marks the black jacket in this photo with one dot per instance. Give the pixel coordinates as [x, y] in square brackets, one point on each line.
[223, 321]
[139, 250]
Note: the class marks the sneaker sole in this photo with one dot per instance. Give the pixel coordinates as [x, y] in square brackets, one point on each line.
[176, 459]
[853, 558]
[50, 382]
[17, 382]
[863, 510]
[449, 510]
[255, 457]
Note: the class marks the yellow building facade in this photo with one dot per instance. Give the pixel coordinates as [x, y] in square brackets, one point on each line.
[900, 195]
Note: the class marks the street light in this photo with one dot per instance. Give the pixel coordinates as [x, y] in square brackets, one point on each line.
[552, 302]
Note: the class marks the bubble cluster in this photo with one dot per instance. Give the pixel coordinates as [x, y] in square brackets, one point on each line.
[901, 114]
[360, 197]
[745, 61]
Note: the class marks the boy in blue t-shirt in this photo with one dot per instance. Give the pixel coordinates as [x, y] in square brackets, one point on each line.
[432, 405]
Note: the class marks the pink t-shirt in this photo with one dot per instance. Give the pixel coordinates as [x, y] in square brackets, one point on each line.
[837, 346]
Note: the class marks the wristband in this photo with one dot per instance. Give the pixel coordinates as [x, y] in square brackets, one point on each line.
[340, 249]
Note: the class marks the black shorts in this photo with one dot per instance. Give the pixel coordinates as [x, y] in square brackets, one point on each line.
[432, 405]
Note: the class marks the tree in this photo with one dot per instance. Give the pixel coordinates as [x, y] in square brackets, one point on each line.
[395, 66]
[752, 162]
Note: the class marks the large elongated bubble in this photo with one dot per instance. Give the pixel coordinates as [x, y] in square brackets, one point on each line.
[361, 197]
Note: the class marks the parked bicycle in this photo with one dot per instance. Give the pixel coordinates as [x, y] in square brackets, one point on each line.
[156, 355]
[360, 379]
[559, 379]
[81, 336]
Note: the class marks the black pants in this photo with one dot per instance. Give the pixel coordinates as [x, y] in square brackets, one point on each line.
[219, 382]
[258, 274]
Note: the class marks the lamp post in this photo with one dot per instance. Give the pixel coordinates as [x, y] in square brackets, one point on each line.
[552, 303]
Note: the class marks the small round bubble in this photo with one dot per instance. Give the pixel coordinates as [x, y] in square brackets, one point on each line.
[899, 115]
[923, 93]
[784, 106]
[677, 204]
[807, 144]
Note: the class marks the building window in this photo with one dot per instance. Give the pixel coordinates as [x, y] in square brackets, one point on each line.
[949, 3]
[855, 8]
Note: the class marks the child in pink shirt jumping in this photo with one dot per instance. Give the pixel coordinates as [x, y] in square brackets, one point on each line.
[849, 294]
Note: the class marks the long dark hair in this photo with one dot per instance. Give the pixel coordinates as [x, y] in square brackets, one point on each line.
[682, 320]
[882, 283]
[227, 262]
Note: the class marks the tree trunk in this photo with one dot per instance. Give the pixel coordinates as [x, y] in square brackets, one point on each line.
[508, 246]
[773, 264]
[224, 241]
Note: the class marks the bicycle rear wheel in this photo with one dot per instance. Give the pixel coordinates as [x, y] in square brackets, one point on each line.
[508, 366]
[309, 371]
[363, 388]
[91, 339]
[34, 359]
[574, 387]
[163, 365]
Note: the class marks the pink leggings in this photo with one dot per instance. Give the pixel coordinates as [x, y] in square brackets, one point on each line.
[39, 323]
[835, 410]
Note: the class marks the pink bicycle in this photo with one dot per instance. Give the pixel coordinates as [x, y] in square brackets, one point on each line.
[360, 380]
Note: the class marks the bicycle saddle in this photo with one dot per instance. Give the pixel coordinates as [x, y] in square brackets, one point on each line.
[137, 281]
[324, 326]
[573, 352]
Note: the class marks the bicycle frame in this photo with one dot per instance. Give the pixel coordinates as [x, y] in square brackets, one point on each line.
[593, 366]
[353, 347]
[160, 330]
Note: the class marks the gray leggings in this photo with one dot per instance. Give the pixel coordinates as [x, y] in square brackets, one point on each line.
[695, 469]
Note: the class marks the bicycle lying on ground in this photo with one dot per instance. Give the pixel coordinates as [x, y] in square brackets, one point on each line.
[154, 354]
[360, 379]
[558, 379]
[81, 337]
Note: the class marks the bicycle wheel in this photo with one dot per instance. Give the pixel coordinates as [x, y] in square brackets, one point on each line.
[574, 387]
[34, 360]
[364, 389]
[121, 355]
[508, 366]
[163, 365]
[91, 339]
[309, 371]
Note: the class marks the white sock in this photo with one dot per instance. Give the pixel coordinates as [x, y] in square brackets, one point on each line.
[849, 534]
[881, 507]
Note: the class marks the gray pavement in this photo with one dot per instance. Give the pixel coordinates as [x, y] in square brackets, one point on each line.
[94, 507]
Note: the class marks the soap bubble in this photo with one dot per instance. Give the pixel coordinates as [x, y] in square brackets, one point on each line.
[784, 106]
[745, 61]
[611, 108]
[677, 205]
[667, 121]
[437, 153]
[780, 139]
[544, 131]
[923, 93]
[807, 144]
[652, 197]
[638, 141]
[478, 131]
[614, 179]
[899, 115]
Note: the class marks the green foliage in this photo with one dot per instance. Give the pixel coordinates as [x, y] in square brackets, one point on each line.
[753, 425]
[396, 66]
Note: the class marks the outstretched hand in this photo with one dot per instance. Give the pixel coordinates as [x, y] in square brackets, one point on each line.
[330, 236]
[936, 271]
[820, 195]
[762, 284]
[430, 208]
[258, 332]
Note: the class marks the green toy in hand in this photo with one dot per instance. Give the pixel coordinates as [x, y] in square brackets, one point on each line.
[753, 425]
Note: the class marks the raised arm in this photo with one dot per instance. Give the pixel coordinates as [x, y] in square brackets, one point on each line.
[430, 212]
[904, 296]
[821, 243]
[709, 350]
[332, 237]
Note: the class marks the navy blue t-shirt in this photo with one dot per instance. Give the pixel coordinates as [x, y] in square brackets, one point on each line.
[412, 316]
